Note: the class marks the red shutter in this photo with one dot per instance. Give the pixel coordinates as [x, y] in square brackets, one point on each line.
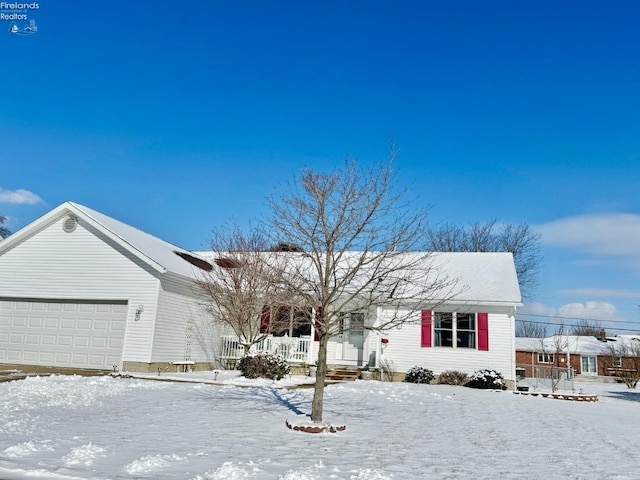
[426, 328]
[318, 324]
[483, 332]
[265, 319]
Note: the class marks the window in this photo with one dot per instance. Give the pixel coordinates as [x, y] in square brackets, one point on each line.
[466, 330]
[588, 365]
[286, 321]
[617, 362]
[356, 329]
[457, 330]
[545, 357]
[351, 322]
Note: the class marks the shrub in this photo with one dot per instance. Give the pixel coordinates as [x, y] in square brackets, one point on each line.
[487, 378]
[263, 365]
[453, 377]
[419, 375]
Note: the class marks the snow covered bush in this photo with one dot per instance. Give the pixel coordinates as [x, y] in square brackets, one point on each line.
[263, 365]
[487, 378]
[453, 377]
[419, 375]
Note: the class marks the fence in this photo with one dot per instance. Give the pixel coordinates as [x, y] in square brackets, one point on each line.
[292, 349]
[550, 379]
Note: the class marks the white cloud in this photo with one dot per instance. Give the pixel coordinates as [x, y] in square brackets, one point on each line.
[19, 197]
[570, 314]
[589, 310]
[604, 234]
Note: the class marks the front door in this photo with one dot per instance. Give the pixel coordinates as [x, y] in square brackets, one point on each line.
[588, 365]
[350, 342]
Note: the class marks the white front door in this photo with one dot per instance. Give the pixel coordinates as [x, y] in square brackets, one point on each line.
[589, 365]
[350, 343]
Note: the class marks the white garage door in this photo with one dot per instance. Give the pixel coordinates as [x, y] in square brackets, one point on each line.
[77, 334]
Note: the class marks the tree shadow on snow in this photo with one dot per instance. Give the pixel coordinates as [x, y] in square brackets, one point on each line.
[289, 399]
[631, 395]
[295, 400]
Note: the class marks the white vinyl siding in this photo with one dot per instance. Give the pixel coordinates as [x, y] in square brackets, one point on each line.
[87, 265]
[405, 351]
[180, 321]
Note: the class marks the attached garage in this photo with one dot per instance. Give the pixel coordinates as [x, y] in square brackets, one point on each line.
[62, 333]
[79, 289]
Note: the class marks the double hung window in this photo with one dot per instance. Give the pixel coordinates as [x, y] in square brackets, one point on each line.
[454, 330]
[457, 330]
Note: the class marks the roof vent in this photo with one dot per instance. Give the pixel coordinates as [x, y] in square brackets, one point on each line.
[69, 224]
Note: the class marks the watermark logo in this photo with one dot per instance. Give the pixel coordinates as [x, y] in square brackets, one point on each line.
[20, 17]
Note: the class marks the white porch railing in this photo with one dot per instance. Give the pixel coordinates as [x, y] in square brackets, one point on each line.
[292, 349]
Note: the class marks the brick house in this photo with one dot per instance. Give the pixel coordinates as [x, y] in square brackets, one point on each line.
[586, 355]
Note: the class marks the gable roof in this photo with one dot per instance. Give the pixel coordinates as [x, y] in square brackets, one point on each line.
[485, 277]
[469, 278]
[160, 255]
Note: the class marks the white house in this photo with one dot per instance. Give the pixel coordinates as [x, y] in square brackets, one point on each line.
[80, 289]
[475, 329]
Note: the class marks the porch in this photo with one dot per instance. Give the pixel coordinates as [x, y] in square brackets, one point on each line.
[292, 349]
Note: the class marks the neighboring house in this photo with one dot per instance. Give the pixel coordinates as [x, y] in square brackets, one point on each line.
[80, 289]
[586, 355]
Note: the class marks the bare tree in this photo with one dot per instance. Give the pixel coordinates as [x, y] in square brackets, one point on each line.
[4, 231]
[355, 230]
[387, 370]
[624, 360]
[519, 239]
[552, 353]
[243, 286]
[587, 328]
[531, 329]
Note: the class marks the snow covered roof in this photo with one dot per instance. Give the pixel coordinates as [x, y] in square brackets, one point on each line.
[162, 256]
[573, 344]
[486, 277]
[479, 278]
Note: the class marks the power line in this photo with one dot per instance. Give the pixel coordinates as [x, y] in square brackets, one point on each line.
[560, 317]
[617, 329]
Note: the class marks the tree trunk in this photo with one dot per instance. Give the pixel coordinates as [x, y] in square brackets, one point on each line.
[318, 391]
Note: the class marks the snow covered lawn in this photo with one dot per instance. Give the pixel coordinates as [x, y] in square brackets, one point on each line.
[65, 427]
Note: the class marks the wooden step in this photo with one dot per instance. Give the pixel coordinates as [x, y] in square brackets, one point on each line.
[343, 374]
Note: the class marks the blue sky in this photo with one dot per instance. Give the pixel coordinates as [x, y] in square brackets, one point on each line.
[175, 117]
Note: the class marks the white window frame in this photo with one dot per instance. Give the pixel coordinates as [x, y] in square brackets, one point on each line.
[546, 357]
[588, 365]
[455, 340]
